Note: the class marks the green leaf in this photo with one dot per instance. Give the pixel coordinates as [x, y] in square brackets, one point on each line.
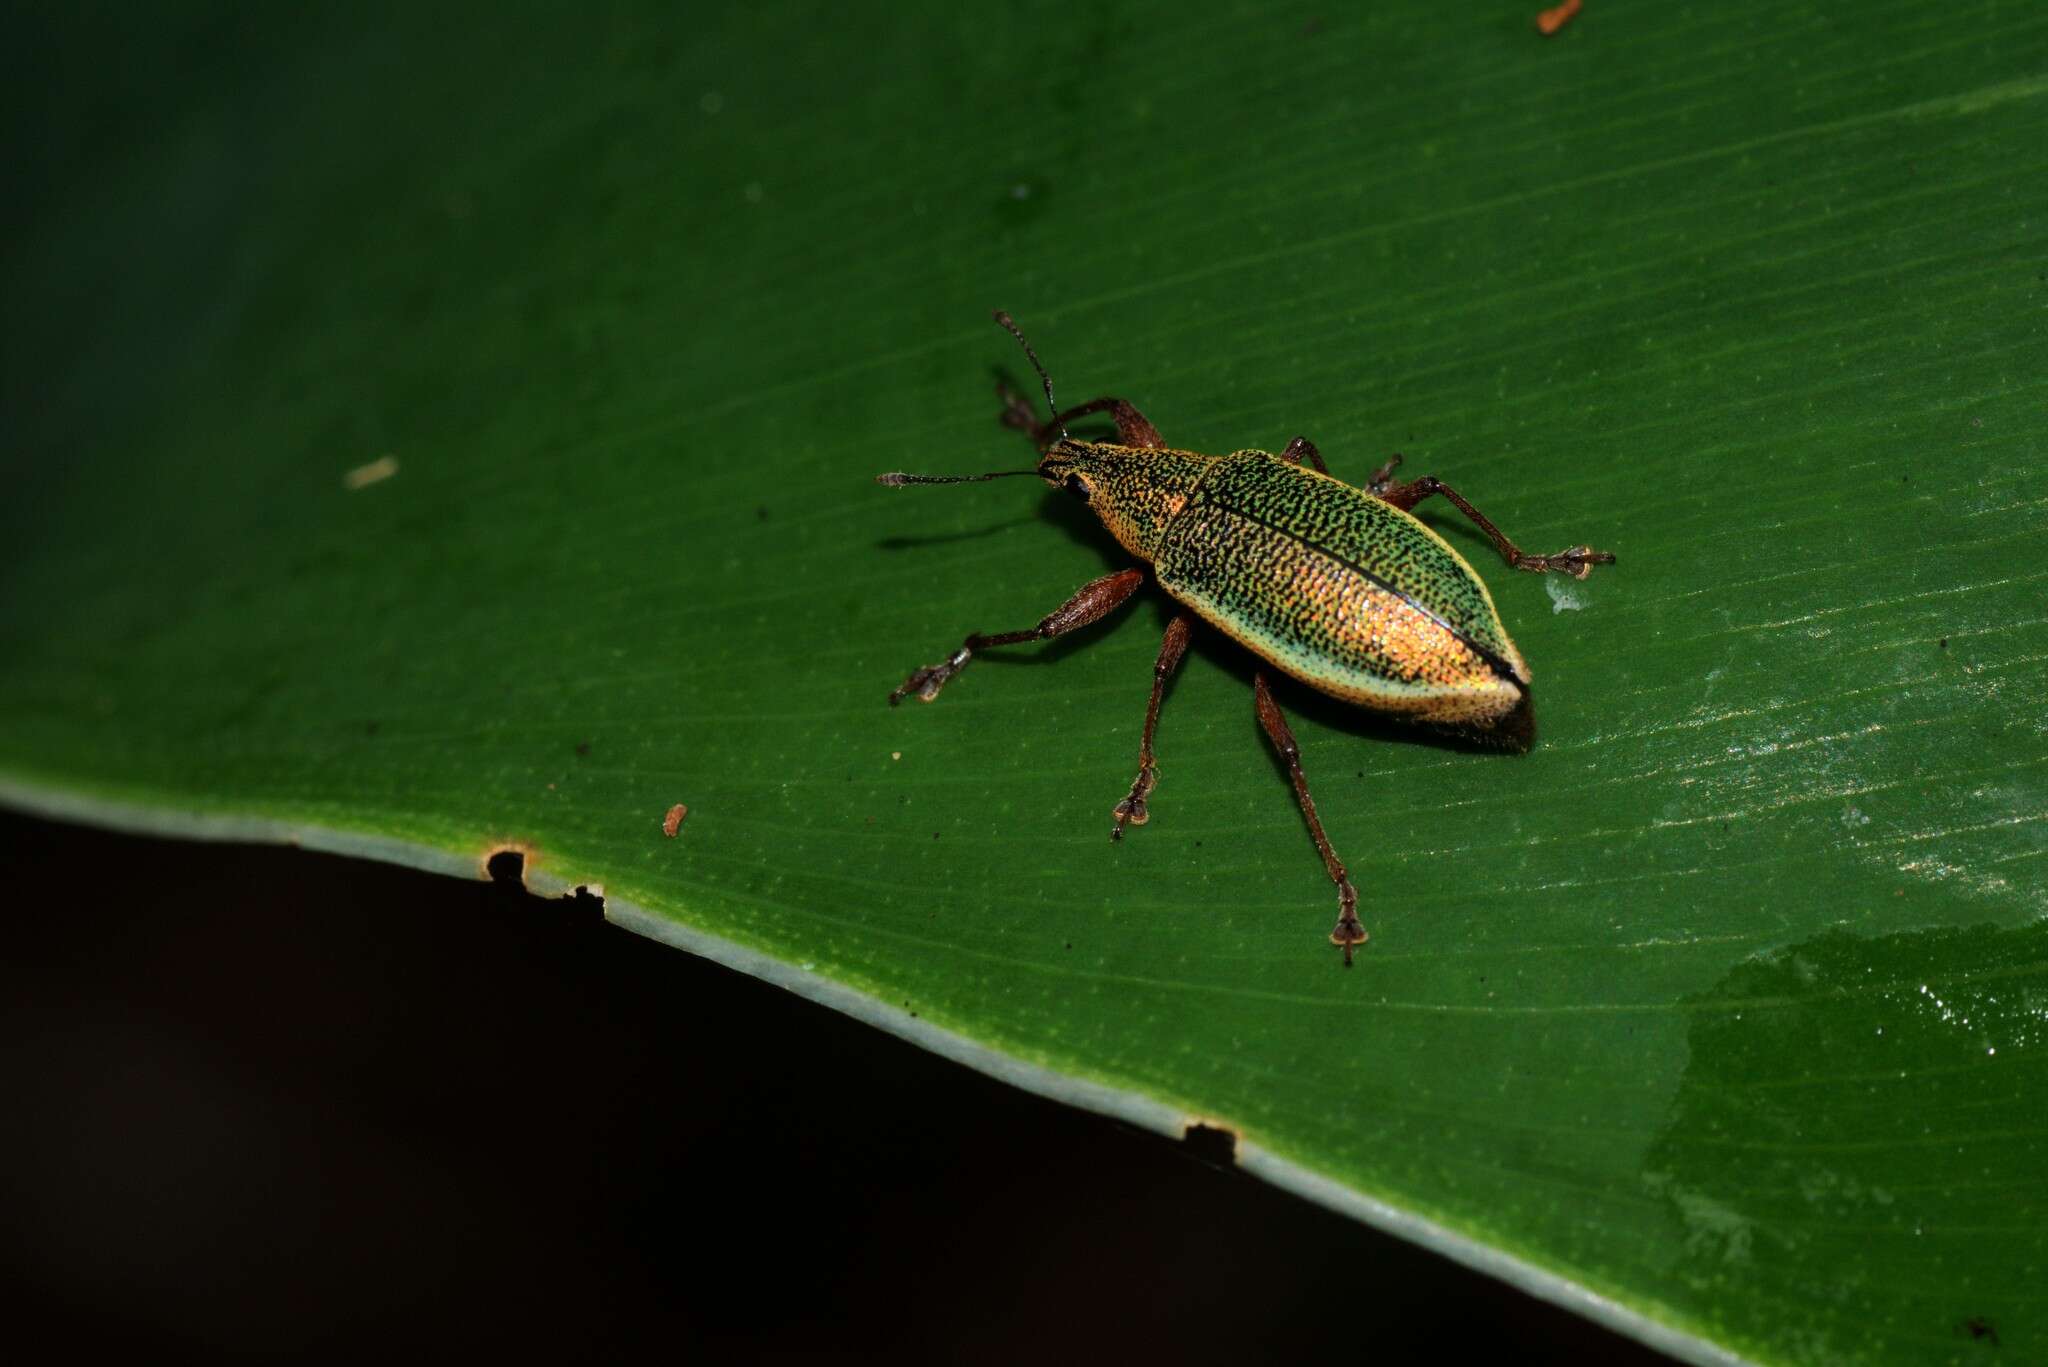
[1720, 1016]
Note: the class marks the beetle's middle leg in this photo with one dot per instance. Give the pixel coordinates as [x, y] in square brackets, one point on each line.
[1096, 599]
[1348, 931]
[1171, 647]
[1576, 561]
[1301, 448]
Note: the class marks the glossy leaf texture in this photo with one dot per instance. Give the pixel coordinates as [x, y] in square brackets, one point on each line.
[1723, 1013]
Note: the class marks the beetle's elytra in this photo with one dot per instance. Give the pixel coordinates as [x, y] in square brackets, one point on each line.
[1341, 587]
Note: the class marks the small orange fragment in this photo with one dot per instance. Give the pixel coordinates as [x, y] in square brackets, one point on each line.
[673, 822]
[1556, 17]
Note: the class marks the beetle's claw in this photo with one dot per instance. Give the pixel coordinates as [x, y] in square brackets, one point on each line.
[1348, 932]
[927, 682]
[1132, 808]
[1127, 811]
[1580, 560]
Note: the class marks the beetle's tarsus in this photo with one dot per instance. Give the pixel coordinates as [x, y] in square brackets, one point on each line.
[1576, 561]
[1347, 932]
[927, 682]
[1132, 809]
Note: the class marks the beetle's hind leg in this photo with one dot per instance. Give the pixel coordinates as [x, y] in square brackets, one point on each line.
[1348, 931]
[1171, 647]
[1096, 599]
[1131, 427]
[1576, 561]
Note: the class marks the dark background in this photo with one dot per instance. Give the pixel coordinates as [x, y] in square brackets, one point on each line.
[266, 1101]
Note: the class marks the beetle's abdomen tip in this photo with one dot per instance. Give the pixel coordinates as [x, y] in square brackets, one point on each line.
[1517, 730]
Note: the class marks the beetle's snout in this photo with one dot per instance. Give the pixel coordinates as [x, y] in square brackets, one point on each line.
[1054, 467]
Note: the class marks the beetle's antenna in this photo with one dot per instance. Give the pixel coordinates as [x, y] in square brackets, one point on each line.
[1011, 326]
[897, 479]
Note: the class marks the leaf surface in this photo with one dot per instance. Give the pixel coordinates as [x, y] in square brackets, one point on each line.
[1721, 1015]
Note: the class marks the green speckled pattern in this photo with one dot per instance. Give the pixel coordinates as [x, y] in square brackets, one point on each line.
[1339, 588]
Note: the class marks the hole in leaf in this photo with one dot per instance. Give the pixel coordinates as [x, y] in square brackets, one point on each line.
[1212, 1144]
[586, 902]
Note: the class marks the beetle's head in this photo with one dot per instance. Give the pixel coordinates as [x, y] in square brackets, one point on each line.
[1072, 466]
[1135, 490]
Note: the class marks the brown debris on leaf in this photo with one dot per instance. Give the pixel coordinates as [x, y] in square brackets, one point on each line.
[1556, 17]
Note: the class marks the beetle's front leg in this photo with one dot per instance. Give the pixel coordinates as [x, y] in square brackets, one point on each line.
[1576, 561]
[1348, 931]
[1132, 429]
[1171, 647]
[1095, 600]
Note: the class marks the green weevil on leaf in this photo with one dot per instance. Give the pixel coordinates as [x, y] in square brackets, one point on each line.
[1342, 588]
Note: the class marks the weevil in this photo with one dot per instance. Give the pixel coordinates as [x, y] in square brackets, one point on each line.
[1340, 587]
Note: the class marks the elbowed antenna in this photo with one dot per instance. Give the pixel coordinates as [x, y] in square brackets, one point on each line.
[897, 479]
[1010, 325]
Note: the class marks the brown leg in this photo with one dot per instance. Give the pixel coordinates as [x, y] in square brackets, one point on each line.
[1095, 600]
[1348, 931]
[1576, 561]
[1302, 448]
[1131, 427]
[1171, 648]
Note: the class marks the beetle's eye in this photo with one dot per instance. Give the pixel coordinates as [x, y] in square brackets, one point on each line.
[1077, 488]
